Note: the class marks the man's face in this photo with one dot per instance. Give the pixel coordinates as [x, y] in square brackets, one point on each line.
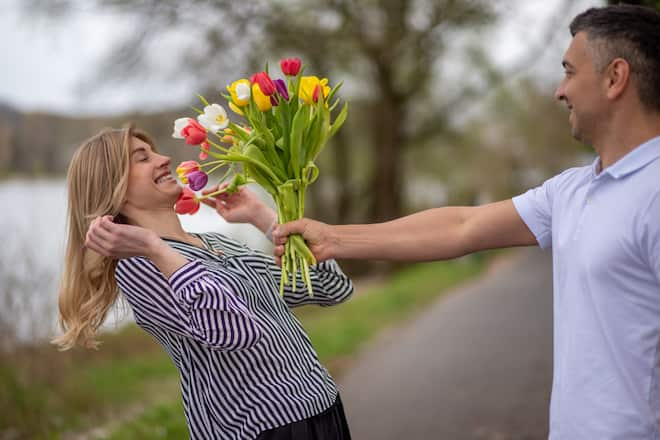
[583, 90]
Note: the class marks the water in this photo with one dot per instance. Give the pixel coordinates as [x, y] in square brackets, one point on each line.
[33, 225]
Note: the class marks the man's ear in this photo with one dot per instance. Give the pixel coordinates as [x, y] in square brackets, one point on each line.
[618, 77]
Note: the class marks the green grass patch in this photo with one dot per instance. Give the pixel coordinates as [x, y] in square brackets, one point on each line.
[45, 392]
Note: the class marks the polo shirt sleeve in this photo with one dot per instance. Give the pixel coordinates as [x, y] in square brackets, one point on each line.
[651, 235]
[535, 209]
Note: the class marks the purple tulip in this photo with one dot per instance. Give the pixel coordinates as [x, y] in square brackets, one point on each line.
[274, 101]
[280, 86]
[197, 180]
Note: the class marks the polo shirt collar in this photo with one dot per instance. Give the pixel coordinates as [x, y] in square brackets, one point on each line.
[634, 160]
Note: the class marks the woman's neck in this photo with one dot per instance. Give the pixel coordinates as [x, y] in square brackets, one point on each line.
[164, 222]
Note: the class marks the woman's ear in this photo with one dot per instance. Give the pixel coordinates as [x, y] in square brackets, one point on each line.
[618, 77]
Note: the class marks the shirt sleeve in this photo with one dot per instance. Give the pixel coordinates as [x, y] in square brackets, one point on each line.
[192, 302]
[651, 236]
[535, 209]
[330, 286]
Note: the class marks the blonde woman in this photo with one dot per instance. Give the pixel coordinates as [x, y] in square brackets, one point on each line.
[247, 367]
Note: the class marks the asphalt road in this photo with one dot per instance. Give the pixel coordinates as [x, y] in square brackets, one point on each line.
[477, 364]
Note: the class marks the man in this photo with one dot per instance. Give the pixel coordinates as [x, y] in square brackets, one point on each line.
[602, 222]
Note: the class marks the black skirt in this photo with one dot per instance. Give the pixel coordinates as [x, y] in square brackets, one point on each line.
[329, 425]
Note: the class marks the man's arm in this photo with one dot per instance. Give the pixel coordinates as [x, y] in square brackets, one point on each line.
[434, 234]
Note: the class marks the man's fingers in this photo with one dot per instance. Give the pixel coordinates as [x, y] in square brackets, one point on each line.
[278, 251]
[209, 202]
[210, 190]
[286, 229]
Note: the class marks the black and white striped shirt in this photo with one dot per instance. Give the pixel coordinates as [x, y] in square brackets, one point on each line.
[246, 364]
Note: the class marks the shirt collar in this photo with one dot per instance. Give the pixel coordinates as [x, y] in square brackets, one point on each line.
[638, 158]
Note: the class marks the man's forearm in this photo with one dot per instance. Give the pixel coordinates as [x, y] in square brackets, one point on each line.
[434, 234]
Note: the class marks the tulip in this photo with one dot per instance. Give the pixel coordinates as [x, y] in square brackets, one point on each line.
[262, 101]
[280, 86]
[265, 83]
[290, 66]
[186, 203]
[194, 133]
[308, 88]
[240, 93]
[186, 168]
[198, 180]
[214, 118]
[179, 125]
[236, 109]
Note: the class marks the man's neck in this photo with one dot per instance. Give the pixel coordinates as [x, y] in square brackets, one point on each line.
[624, 137]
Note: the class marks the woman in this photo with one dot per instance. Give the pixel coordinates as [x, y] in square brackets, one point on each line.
[247, 367]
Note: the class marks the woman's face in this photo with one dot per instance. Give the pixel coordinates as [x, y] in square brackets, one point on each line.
[150, 181]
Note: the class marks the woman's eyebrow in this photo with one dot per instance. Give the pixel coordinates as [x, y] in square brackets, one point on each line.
[138, 150]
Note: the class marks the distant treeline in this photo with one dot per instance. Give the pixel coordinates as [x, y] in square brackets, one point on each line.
[42, 143]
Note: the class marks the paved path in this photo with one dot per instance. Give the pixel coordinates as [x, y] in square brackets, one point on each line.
[476, 365]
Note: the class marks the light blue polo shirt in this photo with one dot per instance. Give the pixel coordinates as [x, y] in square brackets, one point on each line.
[604, 230]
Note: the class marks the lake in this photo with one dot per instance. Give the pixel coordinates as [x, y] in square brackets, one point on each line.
[33, 225]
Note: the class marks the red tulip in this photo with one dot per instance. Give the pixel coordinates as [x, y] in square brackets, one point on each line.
[266, 85]
[194, 133]
[187, 203]
[290, 66]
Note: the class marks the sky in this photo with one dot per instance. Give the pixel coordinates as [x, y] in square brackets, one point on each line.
[46, 60]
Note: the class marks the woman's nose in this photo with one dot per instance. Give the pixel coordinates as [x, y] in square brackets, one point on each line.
[164, 160]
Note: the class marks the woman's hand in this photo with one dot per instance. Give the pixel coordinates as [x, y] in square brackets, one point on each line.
[121, 241]
[241, 207]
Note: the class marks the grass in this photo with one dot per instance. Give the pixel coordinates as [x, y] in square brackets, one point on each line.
[46, 393]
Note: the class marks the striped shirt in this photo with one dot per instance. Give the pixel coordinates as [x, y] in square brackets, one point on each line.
[246, 364]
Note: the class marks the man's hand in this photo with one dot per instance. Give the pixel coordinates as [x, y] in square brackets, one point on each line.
[241, 207]
[120, 241]
[317, 235]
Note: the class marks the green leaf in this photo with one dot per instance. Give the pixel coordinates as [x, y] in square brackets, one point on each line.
[297, 130]
[333, 91]
[201, 98]
[339, 121]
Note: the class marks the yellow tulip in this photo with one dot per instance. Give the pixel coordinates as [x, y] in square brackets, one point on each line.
[307, 86]
[262, 101]
[240, 92]
[236, 109]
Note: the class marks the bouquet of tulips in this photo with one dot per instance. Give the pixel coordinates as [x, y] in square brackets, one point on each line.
[286, 124]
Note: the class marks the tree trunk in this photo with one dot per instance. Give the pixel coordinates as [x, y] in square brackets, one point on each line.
[387, 149]
[344, 202]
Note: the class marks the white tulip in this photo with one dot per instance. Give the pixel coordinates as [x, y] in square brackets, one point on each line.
[214, 118]
[179, 125]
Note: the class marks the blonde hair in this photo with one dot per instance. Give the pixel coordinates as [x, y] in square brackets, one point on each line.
[97, 181]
